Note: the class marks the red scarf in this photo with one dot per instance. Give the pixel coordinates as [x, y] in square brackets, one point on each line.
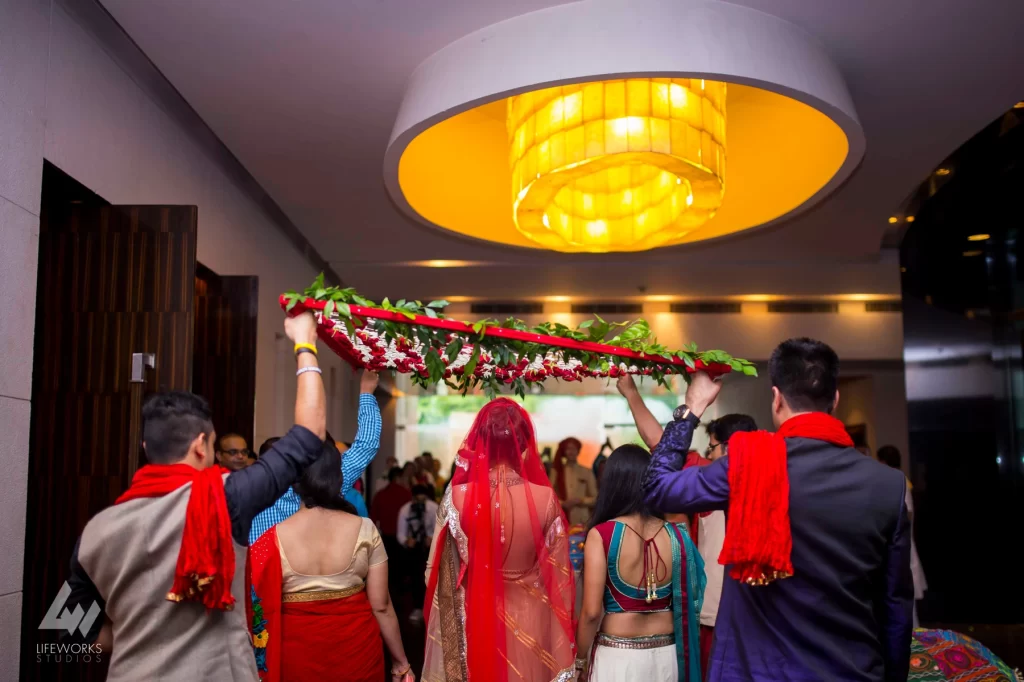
[758, 539]
[206, 560]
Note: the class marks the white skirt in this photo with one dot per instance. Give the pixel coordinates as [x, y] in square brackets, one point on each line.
[629, 665]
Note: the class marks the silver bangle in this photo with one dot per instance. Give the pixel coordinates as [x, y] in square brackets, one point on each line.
[310, 368]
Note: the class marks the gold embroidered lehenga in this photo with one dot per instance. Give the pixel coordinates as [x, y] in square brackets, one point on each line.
[499, 567]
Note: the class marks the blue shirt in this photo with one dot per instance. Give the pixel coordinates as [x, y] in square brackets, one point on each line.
[353, 464]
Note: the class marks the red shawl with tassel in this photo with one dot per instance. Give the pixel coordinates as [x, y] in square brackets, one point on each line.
[206, 560]
[758, 539]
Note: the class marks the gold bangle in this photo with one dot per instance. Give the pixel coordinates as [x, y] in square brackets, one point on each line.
[308, 346]
[403, 672]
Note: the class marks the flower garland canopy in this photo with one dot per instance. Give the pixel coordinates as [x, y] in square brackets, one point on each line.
[412, 338]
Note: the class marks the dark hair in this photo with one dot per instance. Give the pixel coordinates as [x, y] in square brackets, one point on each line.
[394, 473]
[423, 490]
[889, 454]
[321, 482]
[621, 491]
[220, 439]
[267, 444]
[806, 372]
[723, 427]
[170, 422]
[427, 455]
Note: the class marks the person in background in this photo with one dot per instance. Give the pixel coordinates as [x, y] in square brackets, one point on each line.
[414, 533]
[817, 541]
[890, 455]
[233, 452]
[440, 483]
[355, 461]
[425, 469]
[166, 562]
[319, 590]
[602, 458]
[267, 444]
[651, 632]
[574, 484]
[384, 511]
[385, 478]
[711, 530]
[409, 471]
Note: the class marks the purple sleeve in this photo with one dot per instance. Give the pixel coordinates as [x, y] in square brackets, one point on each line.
[670, 489]
[898, 609]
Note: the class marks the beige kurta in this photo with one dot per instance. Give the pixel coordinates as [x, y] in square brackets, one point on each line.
[580, 484]
[130, 551]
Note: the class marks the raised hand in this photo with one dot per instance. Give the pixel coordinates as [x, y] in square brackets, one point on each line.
[626, 385]
[702, 392]
[301, 328]
[368, 382]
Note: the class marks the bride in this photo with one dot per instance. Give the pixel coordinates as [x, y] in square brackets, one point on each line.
[499, 563]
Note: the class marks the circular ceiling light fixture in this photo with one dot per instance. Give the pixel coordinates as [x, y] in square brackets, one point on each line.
[532, 133]
[622, 165]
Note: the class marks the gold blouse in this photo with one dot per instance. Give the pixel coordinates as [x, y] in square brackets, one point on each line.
[368, 551]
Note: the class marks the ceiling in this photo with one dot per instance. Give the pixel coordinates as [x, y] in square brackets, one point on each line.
[305, 93]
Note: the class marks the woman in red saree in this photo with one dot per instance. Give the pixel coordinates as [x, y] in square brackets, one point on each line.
[499, 564]
[318, 590]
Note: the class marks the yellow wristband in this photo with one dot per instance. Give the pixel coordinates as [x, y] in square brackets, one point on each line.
[308, 346]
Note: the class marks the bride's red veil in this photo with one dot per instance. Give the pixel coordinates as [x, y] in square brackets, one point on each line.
[500, 452]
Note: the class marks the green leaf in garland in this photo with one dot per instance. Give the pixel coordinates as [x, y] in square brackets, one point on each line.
[344, 309]
[291, 304]
[750, 370]
[689, 362]
[473, 360]
[438, 305]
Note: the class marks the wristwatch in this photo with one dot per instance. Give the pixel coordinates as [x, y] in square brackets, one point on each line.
[683, 413]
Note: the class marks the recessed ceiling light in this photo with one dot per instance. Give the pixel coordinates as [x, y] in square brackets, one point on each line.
[903, 269]
[978, 237]
[910, 218]
[943, 171]
[558, 299]
[971, 254]
[893, 220]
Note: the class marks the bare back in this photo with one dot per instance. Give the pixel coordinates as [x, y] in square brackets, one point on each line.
[630, 565]
[319, 541]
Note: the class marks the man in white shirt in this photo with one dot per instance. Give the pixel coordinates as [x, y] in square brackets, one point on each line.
[415, 531]
[711, 529]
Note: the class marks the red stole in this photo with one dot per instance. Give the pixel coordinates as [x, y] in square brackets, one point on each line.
[758, 539]
[263, 582]
[206, 560]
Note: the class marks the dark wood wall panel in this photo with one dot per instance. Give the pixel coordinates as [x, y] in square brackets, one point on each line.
[224, 362]
[113, 280]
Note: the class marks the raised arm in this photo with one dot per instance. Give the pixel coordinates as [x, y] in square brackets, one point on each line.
[364, 447]
[646, 423]
[898, 611]
[253, 489]
[668, 487]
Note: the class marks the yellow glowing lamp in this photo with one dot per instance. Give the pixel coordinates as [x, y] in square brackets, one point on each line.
[623, 165]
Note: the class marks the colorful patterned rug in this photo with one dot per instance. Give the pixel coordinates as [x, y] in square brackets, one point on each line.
[947, 656]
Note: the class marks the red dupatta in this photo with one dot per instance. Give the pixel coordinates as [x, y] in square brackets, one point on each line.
[263, 604]
[206, 560]
[501, 447]
[758, 539]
